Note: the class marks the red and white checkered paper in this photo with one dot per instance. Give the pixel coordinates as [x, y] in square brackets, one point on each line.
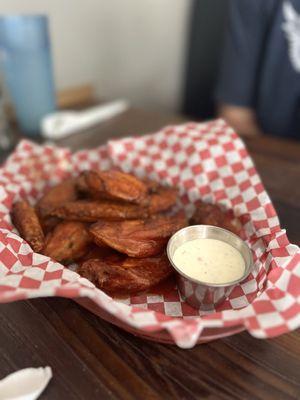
[206, 161]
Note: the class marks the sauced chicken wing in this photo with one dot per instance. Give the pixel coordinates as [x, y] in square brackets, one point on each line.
[56, 196]
[26, 221]
[211, 214]
[92, 211]
[68, 242]
[162, 199]
[138, 238]
[112, 185]
[125, 275]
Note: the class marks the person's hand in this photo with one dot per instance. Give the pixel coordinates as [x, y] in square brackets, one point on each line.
[241, 119]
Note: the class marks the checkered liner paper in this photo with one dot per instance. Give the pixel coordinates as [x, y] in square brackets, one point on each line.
[206, 161]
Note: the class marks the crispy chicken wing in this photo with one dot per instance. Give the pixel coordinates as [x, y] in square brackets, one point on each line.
[68, 242]
[125, 275]
[162, 199]
[49, 223]
[98, 251]
[211, 214]
[112, 185]
[138, 238]
[56, 196]
[26, 221]
[93, 210]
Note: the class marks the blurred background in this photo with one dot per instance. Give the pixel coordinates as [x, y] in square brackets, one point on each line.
[165, 55]
[129, 48]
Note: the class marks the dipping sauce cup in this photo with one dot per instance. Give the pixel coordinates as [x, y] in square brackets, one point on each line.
[203, 295]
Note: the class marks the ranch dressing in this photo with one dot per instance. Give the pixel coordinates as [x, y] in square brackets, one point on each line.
[209, 261]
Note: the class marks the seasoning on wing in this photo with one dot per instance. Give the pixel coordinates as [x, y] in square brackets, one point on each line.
[211, 214]
[162, 199]
[26, 221]
[56, 196]
[125, 275]
[93, 210]
[67, 242]
[138, 238]
[112, 185]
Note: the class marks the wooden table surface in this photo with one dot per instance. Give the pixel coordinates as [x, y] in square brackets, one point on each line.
[92, 359]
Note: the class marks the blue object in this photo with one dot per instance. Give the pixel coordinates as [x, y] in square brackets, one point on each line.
[26, 62]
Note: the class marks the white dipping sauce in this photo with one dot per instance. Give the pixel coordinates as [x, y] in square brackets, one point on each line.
[209, 260]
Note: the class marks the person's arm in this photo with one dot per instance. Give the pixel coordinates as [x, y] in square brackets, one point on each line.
[239, 76]
[241, 119]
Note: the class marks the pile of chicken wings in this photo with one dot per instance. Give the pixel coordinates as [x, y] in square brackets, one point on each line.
[114, 226]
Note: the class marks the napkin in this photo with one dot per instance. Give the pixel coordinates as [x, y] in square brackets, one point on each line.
[25, 384]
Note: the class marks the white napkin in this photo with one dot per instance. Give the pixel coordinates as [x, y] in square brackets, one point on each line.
[64, 123]
[26, 384]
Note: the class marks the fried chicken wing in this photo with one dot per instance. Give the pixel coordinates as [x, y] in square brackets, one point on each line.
[26, 221]
[162, 199]
[126, 275]
[211, 214]
[152, 185]
[49, 223]
[112, 185]
[138, 238]
[68, 242]
[97, 251]
[92, 211]
[56, 196]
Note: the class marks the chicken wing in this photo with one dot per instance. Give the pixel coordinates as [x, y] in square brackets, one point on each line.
[211, 214]
[49, 223]
[162, 199]
[138, 238]
[126, 275]
[152, 185]
[112, 185]
[56, 196]
[26, 221]
[68, 242]
[97, 251]
[93, 210]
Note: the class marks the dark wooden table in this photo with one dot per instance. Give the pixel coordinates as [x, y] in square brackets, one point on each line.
[92, 359]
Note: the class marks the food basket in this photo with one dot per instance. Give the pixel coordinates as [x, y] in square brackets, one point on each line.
[205, 161]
